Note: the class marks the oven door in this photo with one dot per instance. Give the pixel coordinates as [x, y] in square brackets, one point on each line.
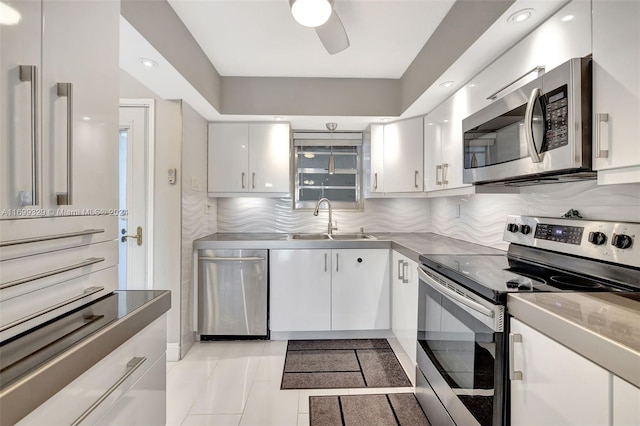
[461, 352]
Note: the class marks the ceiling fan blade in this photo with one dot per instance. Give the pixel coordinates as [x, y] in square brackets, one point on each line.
[333, 35]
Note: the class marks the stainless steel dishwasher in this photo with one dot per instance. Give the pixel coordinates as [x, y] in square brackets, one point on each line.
[233, 294]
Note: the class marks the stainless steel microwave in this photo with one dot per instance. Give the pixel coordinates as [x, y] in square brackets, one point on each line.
[540, 133]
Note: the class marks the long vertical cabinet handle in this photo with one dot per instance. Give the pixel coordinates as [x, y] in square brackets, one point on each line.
[438, 168]
[253, 180]
[415, 178]
[375, 180]
[242, 179]
[513, 374]
[337, 262]
[445, 172]
[400, 271]
[325, 261]
[132, 366]
[29, 73]
[405, 267]
[601, 117]
[66, 198]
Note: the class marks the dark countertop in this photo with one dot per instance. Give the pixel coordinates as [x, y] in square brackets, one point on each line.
[41, 362]
[602, 327]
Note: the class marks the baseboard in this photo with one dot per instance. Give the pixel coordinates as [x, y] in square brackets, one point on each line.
[173, 352]
[346, 334]
[404, 359]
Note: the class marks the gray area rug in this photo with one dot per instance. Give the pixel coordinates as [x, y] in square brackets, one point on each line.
[400, 409]
[342, 363]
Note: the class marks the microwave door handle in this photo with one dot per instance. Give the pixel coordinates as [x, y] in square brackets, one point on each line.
[528, 125]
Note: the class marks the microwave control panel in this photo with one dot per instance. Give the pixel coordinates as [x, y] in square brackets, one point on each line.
[556, 117]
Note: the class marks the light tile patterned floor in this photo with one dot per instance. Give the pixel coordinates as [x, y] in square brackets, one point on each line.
[238, 384]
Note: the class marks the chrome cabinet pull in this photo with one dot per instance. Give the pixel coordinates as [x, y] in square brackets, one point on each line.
[337, 262]
[445, 172]
[405, 267]
[138, 235]
[528, 126]
[513, 374]
[86, 293]
[50, 237]
[132, 366]
[86, 262]
[66, 198]
[375, 180]
[540, 69]
[415, 179]
[231, 259]
[601, 117]
[242, 179]
[253, 180]
[438, 168]
[325, 262]
[29, 73]
[400, 270]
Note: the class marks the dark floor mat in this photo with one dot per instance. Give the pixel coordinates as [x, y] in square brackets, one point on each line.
[400, 409]
[341, 363]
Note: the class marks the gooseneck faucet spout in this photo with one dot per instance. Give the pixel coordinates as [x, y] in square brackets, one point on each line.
[330, 227]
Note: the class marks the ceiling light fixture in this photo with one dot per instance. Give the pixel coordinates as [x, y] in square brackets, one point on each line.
[520, 16]
[567, 18]
[150, 63]
[311, 13]
[447, 84]
[8, 15]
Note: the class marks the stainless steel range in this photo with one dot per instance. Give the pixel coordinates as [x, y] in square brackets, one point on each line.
[462, 349]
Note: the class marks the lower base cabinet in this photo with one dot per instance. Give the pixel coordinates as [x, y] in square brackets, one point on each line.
[334, 289]
[91, 398]
[404, 305]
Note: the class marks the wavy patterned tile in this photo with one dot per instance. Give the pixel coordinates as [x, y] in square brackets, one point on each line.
[246, 215]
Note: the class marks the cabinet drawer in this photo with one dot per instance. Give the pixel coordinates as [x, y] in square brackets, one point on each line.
[26, 237]
[28, 310]
[23, 275]
[77, 399]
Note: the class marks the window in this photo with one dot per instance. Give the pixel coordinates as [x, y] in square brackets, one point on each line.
[311, 169]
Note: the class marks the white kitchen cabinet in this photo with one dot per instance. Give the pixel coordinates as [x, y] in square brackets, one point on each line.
[147, 399]
[403, 153]
[322, 290]
[360, 289]
[249, 159]
[616, 91]
[404, 302]
[558, 386]
[626, 403]
[67, 99]
[376, 184]
[300, 290]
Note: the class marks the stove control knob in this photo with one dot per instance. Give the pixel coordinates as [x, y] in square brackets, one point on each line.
[512, 227]
[622, 241]
[597, 238]
[525, 229]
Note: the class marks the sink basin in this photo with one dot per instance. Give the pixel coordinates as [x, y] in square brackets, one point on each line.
[310, 237]
[352, 237]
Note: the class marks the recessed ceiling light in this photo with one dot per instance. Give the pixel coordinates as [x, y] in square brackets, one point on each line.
[445, 121]
[472, 85]
[447, 84]
[567, 18]
[86, 118]
[278, 117]
[148, 62]
[9, 15]
[520, 16]
[429, 124]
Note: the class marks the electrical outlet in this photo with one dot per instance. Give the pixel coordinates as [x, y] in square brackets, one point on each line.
[195, 183]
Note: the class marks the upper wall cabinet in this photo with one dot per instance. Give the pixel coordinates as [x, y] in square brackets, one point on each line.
[249, 159]
[59, 108]
[616, 91]
[396, 158]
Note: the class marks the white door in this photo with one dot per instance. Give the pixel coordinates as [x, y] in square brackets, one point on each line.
[403, 156]
[134, 197]
[269, 157]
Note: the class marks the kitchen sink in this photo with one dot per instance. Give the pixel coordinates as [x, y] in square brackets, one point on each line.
[310, 237]
[352, 237]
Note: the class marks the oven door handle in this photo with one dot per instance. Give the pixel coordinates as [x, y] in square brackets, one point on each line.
[445, 291]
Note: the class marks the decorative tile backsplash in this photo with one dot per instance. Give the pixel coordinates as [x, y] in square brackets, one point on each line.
[481, 217]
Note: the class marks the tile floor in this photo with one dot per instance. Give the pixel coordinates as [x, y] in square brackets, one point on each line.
[238, 384]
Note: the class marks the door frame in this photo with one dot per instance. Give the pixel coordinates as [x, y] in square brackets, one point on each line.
[150, 142]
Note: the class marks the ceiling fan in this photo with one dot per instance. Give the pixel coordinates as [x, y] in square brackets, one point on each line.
[321, 15]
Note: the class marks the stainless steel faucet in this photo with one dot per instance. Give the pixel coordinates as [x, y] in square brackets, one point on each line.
[330, 227]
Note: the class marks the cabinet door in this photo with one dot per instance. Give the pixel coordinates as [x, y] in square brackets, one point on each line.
[626, 403]
[432, 154]
[550, 373]
[80, 127]
[228, 157]
[404, 297]
[19, 98]
[616, 86]
[300, 290]
[377, 158]
[360, 289]
[403, 156]
[452, 156]
[269, 157]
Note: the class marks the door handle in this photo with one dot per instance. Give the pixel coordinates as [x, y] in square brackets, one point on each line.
[415, 179]
[528, 126]
[325, 262]
[138, 235]
[337, 262]
[66, 198]
[513, 374]
[601, 117]
[405, 267]
[438, 168]
[242, 179]
[445, 172]
[375, 180]
[30, 73]
[400, 270]
[253, 180]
